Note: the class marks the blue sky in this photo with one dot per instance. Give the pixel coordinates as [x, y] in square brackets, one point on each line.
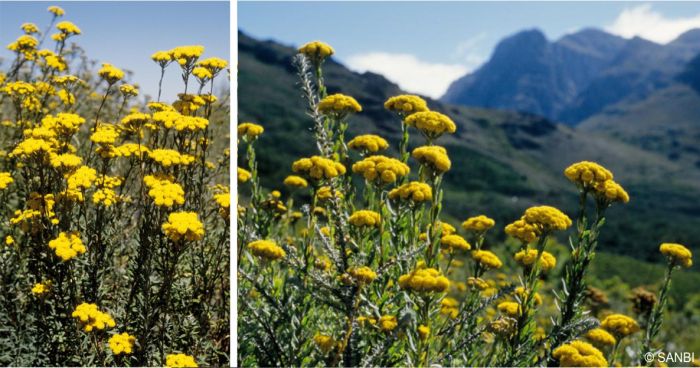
[423, 46]
[125, 34]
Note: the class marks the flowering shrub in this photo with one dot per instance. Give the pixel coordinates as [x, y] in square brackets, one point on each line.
[358, 266]
[115, 209]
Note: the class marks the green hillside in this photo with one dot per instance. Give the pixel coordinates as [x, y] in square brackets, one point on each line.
[503, 162]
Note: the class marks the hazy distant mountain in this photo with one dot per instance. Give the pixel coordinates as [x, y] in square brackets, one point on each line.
[574, 77]
[503, 161]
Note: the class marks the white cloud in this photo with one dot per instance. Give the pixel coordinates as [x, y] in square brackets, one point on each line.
[647, 23]
[410, 73]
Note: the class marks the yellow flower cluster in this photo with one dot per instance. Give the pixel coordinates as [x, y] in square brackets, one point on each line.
[105, 134]
[187, 55]
[64, 124]
[619, 325]
[434, 157]
[133, 122]
[183, 225]
[92, 318]
[41, 288]
[338, 105]
[363, 218]
[168, 157]
[67, 246]
[381, 169]
[414, 191]
[368, 143]
[187, 103]
[454, 241]
[612, 192]
[479, 223]
[431, 124]
[528, 257]
[29, 28]
[180, 361]
[388, 323]
[68, 28]
[18, 89]
[487, 259]
[317, 167]
[122, 343]
[243, 175]
[110, 73]
[56, 11]
[213, 64]
[82, 178]
[406, 105]
[324, 342]
[295, 181]
[423, 332]
[266, 249]
[363, 275]
[522, 230]
[128, 90]
[600, 338]
[547, 218]
[25, 45]
[587, 174]
[510, 309]
[449, 307]
[579, 354]
[325, 193]
[5, 180]
[317, 51]
[424, 280]
[677, 254]
[163, 191]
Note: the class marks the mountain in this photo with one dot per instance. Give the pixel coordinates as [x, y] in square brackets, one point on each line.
[574, 77]
[503, 161]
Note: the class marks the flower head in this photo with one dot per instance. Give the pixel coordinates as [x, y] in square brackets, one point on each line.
[324, 342]
[92, 318]
[243, 175]
[122, 343]
[318, 168]
[587, 174]
[619, 325]
[338, 106]
[266, 249]
[250, 130]
[381, 169]
[479, 223]
[67, 246]
[363, 275]
[579, 354]
[487, 259]
[368, 143]
[295, 181]
[406, 105]
[600, 338]
[609, 191]
[110, 73]
[56, 11]
[431, 124]
[453, 242]
[388, 323]
[434, 157]
[528, 257]
[180, 361]
[364, 218]
[424, 279]
[183, 225]
[414, 191]
[317, 51]
[677, 254]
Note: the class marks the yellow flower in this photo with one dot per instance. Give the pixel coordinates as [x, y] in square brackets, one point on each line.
[414, 191]
[250, 130]
[487, 259]
[31, 146]
[5, 180]
[164, 192]
[610, 191]
[431, 124]
[325, 193]
[128, 90]
[434, 157]
[83, 178]
[324, 342]
[317, 51]
[168, 157]
[363, 275]
[600, 338]
[19, 89]
[520, 292]
[406, 105]
[454, 242]
[162, 58]
[388, 323]
[92, 318]
[110, 73]
[423, 332]
[9, 240]
[381, 169]
[104, 196]
[368, 143]
[295, 181]
[510, 309]
[243, 175]
[579, 354]
[67, 246]
[213, 64]
[477, 283]
[619, 325]
[179, 361]
[363, 218]
[338, 105]
[203, 74]
[677, 254]
[41, 288]
[25, 45]
[424, 280]
[187, 103]
[317, 167]
[29, 28]
[132, 149]
[105, 134]
[546, 219]
[449, 307]
[522, 230]
[478, 223]
[266, 249]
[527, 258]
[122, 343]
[587, 174]
[186, 56]
[56, 11]
[183, 225]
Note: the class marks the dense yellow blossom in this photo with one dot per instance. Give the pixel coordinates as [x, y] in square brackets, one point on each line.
[317, 51]
[188, 103]
[677, 254]
[243, 175]
[250, 130]
[423, 332]
[611, 191]
[110, 73]
[29, 28]
[186, 56]
[600, 338]
[41, 288]
[454, 241]
[83, 178]
[295, 181]
[56, 11]
[431, 124]
[406, 105]
[67, 246]
[168, 157]
[213, 64]
[449, 307]
[122, 343]
[435, 157]
[381, 169]
[31, 146]
[510, 309]
[128, 90]
[324, 342]
[68, 28]
[203, 74]
[363, 275]
[180, 361]
[325, 193]
[528, 257]
[478, 223]
[619, 325]
[105, 134]
[134, 121]
[546, 218]
[363, 218]
[164, 192]
[92, 318]
[579, 354]
[162, 58]
[368, 143]
[522, 230]
[338, 105]
[477, 283]
[18, 89]
[424, 280]
[414, 191]
[64, 124]
[587, 174]
[183, 225]
[25, 45]
[487, 259]
[388, 323]
[104, 196]
[317, 167]
[132, 149]
[266, 249]
[5, 180]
